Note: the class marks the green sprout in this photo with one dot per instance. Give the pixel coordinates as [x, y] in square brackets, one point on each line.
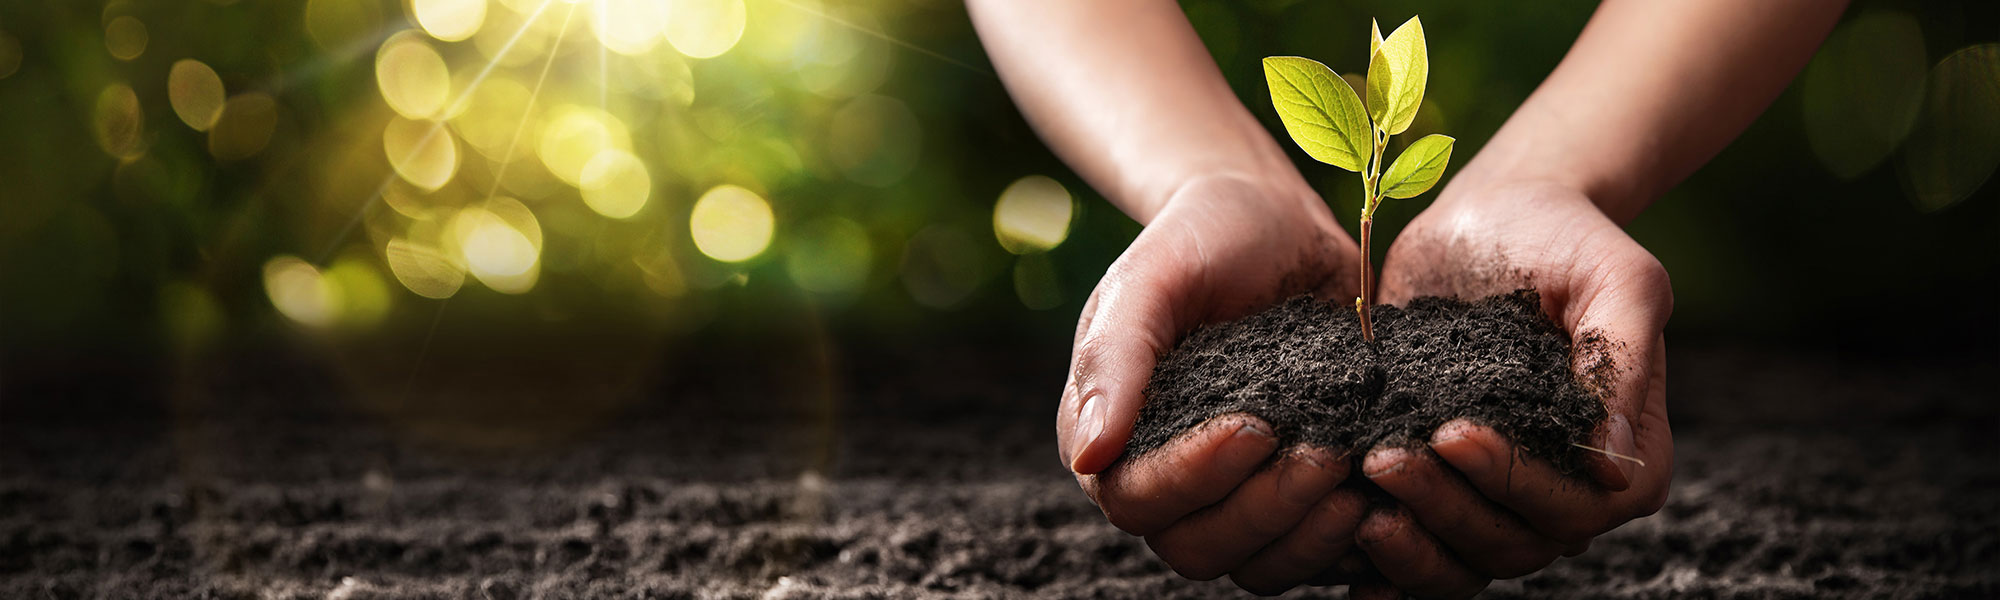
[1327, 119]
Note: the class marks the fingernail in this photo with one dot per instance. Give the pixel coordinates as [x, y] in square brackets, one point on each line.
[1089, 425]
[1450, 432]
[1295, 482]
[1253, 429]
[1618, 439]
[1451, 443]
[1382, 463]
[1387, 468]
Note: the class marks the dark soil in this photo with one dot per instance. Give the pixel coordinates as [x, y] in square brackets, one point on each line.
[1303, 367]
[1796, 476]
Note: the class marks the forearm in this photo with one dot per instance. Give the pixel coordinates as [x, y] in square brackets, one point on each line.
[1650, 92]
[1124, 92]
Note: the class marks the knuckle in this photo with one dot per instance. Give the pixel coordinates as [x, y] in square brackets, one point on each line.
[1197, 566]
[1652, 502]
[1091, 353]
[1127, 520]
[1342, 507]
[1179, 478]
[1266, 525]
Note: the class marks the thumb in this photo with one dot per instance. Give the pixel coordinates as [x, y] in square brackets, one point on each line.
[1616, 320]
[1135, 315]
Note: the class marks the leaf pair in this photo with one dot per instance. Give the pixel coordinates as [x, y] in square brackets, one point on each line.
[1325, 116]
[1398, 69]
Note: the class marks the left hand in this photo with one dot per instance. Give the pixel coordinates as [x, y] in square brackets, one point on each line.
[1472, 508]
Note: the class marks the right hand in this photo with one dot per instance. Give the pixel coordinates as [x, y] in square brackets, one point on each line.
[1207, 504]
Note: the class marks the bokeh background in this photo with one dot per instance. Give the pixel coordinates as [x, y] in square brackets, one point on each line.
[567, 203]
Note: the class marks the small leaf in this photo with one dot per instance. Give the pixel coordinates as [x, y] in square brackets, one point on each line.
[1321, 112]
[1419, 168]
[1397, 73]
[1374, 37]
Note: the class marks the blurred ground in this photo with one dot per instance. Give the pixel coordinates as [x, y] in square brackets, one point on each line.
[1798, 475]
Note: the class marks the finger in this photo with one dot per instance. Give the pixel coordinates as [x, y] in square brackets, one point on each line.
[1557, 506]
[1321, 538]
[1352, 568]
[1374, 591]
[1197, 469]
[1486, 537]
[1618, 305]
[1070, 410]
[1216, 539]
[1411, 559]
[1143, 302]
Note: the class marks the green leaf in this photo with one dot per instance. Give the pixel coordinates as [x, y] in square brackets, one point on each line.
[1321, 112]
[1397, 72]
[1419, 168]
[1374, 37]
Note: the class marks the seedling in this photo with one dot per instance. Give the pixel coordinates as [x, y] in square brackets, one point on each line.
[1327, 119]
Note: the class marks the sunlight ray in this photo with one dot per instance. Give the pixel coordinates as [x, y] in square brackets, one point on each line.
[499, 175]
[534, 96]
[886, 37]
[603, 70]
[456, 106]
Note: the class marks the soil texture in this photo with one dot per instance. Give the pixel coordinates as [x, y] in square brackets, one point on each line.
[1303, 367]
[1797, 475]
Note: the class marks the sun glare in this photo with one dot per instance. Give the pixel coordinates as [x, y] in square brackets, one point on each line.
[412, 76]
[1033, 215]
[500, 118]
[615, 183]
[705, 28]
[449, 20]
[196, 93]
[421, 152]
[301, 292]
[731, 224]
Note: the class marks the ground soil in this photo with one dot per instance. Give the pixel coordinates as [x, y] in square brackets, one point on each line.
[1797, 475]
[1303, 367]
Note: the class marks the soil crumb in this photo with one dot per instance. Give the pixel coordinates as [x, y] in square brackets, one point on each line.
[1302, 367]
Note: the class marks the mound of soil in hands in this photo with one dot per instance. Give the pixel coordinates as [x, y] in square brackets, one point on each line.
[1302, 367]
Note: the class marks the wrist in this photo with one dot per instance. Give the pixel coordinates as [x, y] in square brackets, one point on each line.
[1280, 191]
[1247, 163]
[1540, 144]
[1482, 192]
[1515, 161]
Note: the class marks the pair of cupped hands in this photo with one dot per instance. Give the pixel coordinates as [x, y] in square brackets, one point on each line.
[1226, 499]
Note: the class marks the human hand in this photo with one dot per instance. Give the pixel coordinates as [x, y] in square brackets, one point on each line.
[1472, 509]
[1207, 503]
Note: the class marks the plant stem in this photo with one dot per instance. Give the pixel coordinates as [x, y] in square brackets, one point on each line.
[1370, 198]
[1367, 274]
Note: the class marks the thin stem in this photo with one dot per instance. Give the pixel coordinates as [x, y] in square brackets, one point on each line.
[1367, 274]
[1370, 199]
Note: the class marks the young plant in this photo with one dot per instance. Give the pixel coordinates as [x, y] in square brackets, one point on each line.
[1327, 118]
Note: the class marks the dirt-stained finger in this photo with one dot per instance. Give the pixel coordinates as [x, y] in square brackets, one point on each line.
[1217, 539]
[1485, 536]
[1197, 469]
[1411, 559]
[1321, 538]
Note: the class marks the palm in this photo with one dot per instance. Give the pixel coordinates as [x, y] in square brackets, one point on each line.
[1214, 501]
[1470, 508]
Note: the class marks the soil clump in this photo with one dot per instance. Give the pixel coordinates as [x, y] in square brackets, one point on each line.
[1302, 367]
